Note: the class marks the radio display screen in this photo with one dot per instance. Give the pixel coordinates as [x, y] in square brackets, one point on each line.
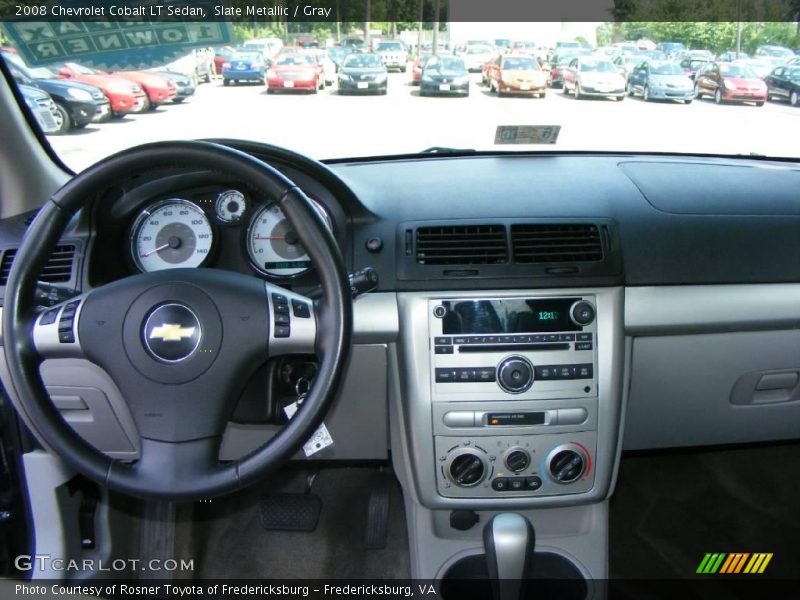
[511, 315]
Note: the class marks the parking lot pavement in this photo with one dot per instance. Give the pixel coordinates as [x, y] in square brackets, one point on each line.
[327, 125]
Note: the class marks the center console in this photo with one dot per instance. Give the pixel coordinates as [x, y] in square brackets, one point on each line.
[514, 394]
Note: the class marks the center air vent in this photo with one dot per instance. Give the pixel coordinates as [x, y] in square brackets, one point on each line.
[462, 245]
[57, 270]
[556, 243]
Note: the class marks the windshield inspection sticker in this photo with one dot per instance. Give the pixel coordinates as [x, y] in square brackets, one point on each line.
[121, 36]
[526, 134]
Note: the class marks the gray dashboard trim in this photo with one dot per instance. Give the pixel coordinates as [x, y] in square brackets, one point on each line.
[659, 310]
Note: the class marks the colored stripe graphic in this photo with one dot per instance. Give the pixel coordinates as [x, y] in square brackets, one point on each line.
[734, 563]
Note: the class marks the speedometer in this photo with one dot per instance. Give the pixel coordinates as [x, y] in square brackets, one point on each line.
[171, 234]
[273, 245]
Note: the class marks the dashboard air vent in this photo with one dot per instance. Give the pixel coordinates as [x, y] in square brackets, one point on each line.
[57, 270]
[556, 243]
[462, 245]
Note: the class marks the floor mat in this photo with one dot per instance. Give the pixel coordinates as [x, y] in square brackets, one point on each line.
[669, 510]
[226, 538]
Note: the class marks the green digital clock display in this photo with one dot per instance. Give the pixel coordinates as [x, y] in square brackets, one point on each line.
[549, 315]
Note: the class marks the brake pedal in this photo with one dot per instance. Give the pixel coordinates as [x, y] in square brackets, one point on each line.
[378, 514]
[290, 512]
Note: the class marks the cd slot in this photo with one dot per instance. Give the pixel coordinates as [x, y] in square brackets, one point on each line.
[512, 347]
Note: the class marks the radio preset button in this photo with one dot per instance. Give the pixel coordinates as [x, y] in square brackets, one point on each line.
[441, 341]
[460, 340]
[584, 371]
[484, 374]
[564, 372]
[515, 374]
[445, 375]
[545, 373]
[465, 375]
[506, 339]
[443, 349]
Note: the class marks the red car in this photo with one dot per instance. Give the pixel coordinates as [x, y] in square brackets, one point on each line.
[515, 74]
[159, 88]
[295, 71]
[125, 96]
[730, 82]
[221, 56]
[416, 70]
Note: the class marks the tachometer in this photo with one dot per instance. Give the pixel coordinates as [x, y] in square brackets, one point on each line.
[171, 234]
[273, 245]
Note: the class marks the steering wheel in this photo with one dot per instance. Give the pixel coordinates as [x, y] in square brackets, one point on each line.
[180, 344]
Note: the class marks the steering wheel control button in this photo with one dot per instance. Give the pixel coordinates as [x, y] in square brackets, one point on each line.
[281, 319]
[49, 317]
[515, 374]
[301, 310]
[279, 299]
[172, 332]
[582, 313]
[282, 331]
[280, 309]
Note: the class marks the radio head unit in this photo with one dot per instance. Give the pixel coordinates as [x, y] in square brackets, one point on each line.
[526, 347]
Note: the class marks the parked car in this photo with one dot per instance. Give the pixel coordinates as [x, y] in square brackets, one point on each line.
[731, 56]
[759, 66]
[775, 54]
[393, 54]
[691, 65]
[784, 84]
[268, 47]
[245, 64]
[185, 86]
[123, 95]
[660, 80]
[671, 49]
[444, 75]
[730, 82]
[706, 55]
[77, 104]
[593, 76]
[558, 65]
[625, 63]
[221, 56]
[158, 88]
[655, 54]
[295, 71]
[337, 54]
[42, 107]
[327, 66]
[522, 47]
[475, 56]
[416, 69]
[516, 74]
[362, 73]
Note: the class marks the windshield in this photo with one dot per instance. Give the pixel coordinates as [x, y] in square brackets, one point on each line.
[601, 66]
[520, 63]
[729, 70]
[390, 47]
[666, 69]
[363, 61]
[371, 104]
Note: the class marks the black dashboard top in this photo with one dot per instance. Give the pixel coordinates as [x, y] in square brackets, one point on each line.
[462, 222]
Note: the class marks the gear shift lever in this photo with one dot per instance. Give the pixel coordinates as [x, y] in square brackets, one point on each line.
[509, 540]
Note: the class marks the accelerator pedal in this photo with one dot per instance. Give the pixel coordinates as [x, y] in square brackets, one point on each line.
[378, 513]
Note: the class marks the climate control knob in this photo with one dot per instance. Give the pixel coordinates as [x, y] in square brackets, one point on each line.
[466, 467]
[566, 463]
[517, 460]
[515, 374]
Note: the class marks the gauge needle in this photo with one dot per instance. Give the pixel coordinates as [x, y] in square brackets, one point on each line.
[154, 250]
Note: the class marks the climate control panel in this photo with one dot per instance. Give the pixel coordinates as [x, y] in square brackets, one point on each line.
[505, 465]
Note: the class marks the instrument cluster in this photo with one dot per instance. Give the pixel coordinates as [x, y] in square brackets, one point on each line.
[185, 232]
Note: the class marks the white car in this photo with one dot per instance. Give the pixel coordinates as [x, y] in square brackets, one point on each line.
[328, 66]
[477, 56]
[393, 54]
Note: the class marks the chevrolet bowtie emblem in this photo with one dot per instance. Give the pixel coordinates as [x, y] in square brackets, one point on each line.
[171, 332]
